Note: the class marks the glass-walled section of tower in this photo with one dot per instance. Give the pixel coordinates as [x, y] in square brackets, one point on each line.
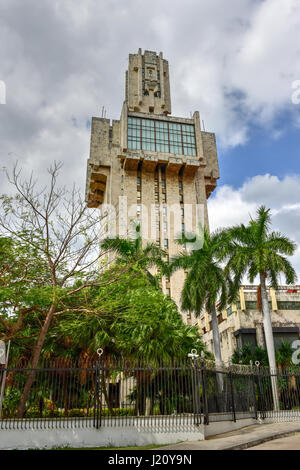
[161, 136]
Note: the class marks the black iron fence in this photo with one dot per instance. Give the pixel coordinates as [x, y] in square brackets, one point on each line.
[156, 395]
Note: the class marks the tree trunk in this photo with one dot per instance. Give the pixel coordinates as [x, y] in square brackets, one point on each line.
[106, 396]
[35, 360]
[137, 400]
[216, 336]
[217, 345]
[267, 322]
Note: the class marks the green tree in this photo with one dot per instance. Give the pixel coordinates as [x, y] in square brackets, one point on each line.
[131, 319]
[205, 283]
[140, 256]
[61, 236]
[256, 251]
[22, 298]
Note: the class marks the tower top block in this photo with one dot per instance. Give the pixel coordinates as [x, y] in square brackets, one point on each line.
[148, 83]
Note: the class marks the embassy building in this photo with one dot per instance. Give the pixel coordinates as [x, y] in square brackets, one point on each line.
[150, 166]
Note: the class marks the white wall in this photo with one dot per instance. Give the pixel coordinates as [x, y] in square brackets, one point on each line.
[124, 436]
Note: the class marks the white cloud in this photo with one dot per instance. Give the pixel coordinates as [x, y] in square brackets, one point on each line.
[235, 61]
[231, 206]
[242, 69]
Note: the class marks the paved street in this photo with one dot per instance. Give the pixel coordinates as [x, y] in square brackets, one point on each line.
[255, 437]
[285, 443]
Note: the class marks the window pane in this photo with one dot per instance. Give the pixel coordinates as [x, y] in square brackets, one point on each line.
[161, 136]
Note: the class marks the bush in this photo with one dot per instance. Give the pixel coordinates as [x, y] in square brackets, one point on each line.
[35, 412]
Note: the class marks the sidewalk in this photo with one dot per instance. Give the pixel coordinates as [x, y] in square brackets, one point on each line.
[240, 439]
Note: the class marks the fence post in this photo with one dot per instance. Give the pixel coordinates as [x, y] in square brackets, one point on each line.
[232, 396]
[197, 391]
[262, 400]
[204, 393]
[98, 387]
[254, 394]
[3, 377]
[193, 356]
[95, 395]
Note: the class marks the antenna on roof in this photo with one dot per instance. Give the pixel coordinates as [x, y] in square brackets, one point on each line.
[203, 125]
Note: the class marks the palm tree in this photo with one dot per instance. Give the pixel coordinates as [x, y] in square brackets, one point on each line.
[140, 256]
[205, 283]
[256, 251]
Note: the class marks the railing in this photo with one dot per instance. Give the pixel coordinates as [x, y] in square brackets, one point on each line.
[161, 396]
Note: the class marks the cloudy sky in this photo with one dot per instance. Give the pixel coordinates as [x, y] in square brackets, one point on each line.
[236, 61]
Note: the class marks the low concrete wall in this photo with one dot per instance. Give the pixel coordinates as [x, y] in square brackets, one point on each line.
[284, 416]
[138, 434]
[219, 427]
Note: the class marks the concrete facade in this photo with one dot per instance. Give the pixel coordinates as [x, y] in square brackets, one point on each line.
[173, 170]
[241, 323]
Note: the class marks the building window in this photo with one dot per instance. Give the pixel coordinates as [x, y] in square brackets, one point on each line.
[229, 310]
[251, 305]
[161, 136]
[166, 243]
[165, 226]
[243, 338]
[168, 291]
[288, 305]
[164, 211]
[280, 338]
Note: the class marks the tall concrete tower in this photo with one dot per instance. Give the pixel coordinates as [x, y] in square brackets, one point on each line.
[152, 166]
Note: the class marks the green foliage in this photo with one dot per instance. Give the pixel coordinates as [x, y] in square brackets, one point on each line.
[132, 318]
[284, 354]
[205, 283]
[246, 354]
[11, 401]
[253, 249]
[35, 412]
[139, 256]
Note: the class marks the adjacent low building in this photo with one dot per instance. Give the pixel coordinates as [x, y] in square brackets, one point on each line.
[241, 323]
